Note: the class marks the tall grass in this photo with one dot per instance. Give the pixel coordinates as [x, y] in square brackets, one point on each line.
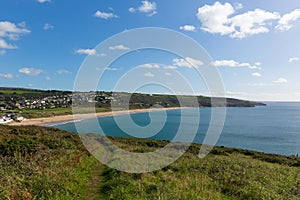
[42, 163]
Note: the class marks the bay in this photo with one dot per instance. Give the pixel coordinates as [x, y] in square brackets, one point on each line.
[274, 128]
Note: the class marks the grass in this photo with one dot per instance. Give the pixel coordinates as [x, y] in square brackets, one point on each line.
[47, 163]
[19, 91]
[226, 173]
[41, 163]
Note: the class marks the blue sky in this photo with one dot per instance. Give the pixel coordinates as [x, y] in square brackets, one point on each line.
[254, 44]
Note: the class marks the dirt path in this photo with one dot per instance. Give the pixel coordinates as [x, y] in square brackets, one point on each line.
[93, 191]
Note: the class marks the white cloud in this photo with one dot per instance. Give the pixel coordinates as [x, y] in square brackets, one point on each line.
[43, 1]
[233, 63]
[104, 15]
[6, 76]
[285, 23]
[252, 23]
[12, 32]
[106, 68]
[149, 74]
[118, 47]
[111, 69]
[256, 74]
[31, 71]
[170, 67]
[63, 71]
[188, 28]
[5, 45]
[48, 26]
[168, 74]
[258, 63]
[146, 7]
[131, 10]
[215, 18]
[238, 6]
[90, 52]
[281, 80]
[294, 59]
[47, 78]
[218, 19]
[150, 66]
[187, 62]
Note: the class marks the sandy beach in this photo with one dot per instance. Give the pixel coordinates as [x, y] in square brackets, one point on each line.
[66, 118]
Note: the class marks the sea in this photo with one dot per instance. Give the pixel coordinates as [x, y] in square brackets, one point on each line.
[274, 128]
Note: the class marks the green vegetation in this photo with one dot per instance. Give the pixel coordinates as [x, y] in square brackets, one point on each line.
[18, 99]
[42, 163]
[225, 173]
[19, 91]
[47, 163]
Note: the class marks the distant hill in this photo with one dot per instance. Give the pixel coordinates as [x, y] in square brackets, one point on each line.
[104, 99]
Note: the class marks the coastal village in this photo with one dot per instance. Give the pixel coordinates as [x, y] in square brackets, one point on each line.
[11, 106]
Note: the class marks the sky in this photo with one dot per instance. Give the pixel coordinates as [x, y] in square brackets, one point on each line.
[253, 44]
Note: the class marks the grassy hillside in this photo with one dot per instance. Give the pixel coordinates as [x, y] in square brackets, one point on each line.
[41, 163]
[225, 173]
[47, 163]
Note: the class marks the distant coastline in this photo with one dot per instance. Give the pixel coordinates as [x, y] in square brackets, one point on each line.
[70, 118]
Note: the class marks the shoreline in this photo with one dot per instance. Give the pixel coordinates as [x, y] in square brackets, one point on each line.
[70, 118]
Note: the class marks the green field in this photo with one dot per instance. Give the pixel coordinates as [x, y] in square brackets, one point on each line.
[47, 163]
[19, 91]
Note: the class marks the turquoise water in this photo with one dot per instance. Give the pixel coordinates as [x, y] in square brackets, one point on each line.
[271, 129]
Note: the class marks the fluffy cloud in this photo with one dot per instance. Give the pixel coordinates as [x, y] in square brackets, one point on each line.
[6, 76]
[48, 26]
[285, 23]
[111, 69]
[218, 19]
[258, 63]
[106, 68]
[233, 63]
[238, 6]
[12, 32]
[170, 67]
[146, 7]
[63, 71]
[168, 74]
[5, 45]
[256, 74]
[215, 18]
[150, 66]
[31, 71]
[187, 28]
[104, 15]
[90, 52]
[47, 78]
[187, 62]
[149, 74]
[281, 80]
[118, 47]
[252, 23]
[43, 1]
[294, 59]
